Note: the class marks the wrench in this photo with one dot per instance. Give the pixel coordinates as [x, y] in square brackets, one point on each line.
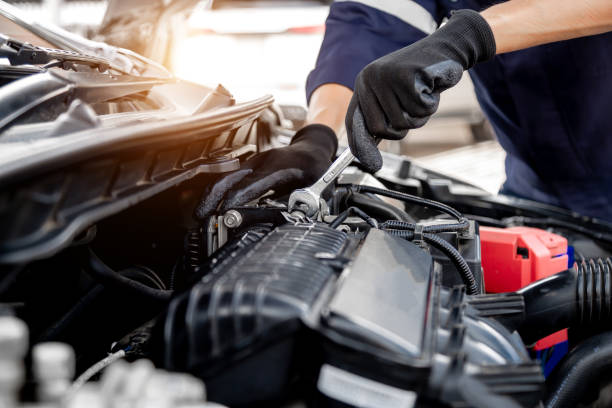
[306, 200]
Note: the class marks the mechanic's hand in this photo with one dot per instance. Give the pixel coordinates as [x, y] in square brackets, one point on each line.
[400, 91]
[283, 170]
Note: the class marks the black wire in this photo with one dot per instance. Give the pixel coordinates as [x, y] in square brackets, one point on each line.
[353, 211]
[406, 230]
[462, 267]
[109, 277]
[409, 235]
[462, 225]
[378, 208]
[407, 198]
[488, 221]
[141, 271]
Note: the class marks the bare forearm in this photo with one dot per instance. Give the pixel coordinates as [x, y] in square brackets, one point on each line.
[328, 106]
[519, 24]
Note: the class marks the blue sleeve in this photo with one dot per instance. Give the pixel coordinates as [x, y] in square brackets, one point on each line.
[357, 34]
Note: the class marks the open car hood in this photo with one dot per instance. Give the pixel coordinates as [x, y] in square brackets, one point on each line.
[87, 130]
[121, 58]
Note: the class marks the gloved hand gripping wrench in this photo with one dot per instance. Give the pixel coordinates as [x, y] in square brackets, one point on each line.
[307, 200]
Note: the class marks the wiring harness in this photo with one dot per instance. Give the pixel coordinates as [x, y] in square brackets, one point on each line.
[417, 232]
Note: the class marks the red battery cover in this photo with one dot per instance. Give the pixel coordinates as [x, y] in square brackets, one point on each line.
[512, 258]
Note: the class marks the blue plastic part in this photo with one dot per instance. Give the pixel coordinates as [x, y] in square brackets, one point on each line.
[550, 357]
[570, 256]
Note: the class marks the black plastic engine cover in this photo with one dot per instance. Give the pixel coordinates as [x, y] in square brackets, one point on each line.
[239, 323]
[345, 318]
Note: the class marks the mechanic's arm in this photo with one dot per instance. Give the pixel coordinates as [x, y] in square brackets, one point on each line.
[519, 24]
[401, 90]
[328, 105]
[516, 24]
[357, 33]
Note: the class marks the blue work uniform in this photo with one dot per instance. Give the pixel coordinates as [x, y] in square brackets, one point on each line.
[550, 106]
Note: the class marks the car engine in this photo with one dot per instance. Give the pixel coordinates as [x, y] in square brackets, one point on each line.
[402, 292]
[358, 317]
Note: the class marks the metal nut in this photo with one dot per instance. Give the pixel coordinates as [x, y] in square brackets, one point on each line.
[232, 219]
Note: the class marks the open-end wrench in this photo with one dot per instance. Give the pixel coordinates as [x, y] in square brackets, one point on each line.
[306, 200]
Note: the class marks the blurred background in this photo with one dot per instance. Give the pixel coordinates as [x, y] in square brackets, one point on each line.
[256, 47]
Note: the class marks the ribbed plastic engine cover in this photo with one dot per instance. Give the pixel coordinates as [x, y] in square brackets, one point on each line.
[262, 291]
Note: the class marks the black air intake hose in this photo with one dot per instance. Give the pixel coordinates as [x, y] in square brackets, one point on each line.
[582, 368]
[581, 296]
[594, 290]
[577, 297]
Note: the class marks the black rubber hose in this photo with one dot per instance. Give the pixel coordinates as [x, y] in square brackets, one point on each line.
[407, 198]
[109, 277]
[579, 370]
[580, 296]
[464, 269]
[550, 305]
[378, 208]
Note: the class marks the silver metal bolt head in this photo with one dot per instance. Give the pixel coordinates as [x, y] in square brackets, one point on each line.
[232, 219]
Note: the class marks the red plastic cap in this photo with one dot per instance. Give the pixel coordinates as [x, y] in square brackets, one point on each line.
[512, 258]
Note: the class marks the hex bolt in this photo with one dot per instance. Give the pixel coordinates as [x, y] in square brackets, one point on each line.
[232, 219]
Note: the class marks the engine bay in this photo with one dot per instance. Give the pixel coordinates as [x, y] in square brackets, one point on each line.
[408, 289]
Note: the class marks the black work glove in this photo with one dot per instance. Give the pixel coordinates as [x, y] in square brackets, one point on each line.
[283, 170]
[400, 91]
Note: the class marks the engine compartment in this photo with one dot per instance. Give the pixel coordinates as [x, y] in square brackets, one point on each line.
[381, 301]
[330, 310]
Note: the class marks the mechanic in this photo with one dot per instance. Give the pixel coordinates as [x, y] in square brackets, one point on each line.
[542, 71]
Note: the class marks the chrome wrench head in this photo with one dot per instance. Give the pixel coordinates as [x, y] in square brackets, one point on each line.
[305, 201]
[308, 200]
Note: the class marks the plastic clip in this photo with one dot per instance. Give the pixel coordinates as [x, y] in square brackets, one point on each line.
[418, 234]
